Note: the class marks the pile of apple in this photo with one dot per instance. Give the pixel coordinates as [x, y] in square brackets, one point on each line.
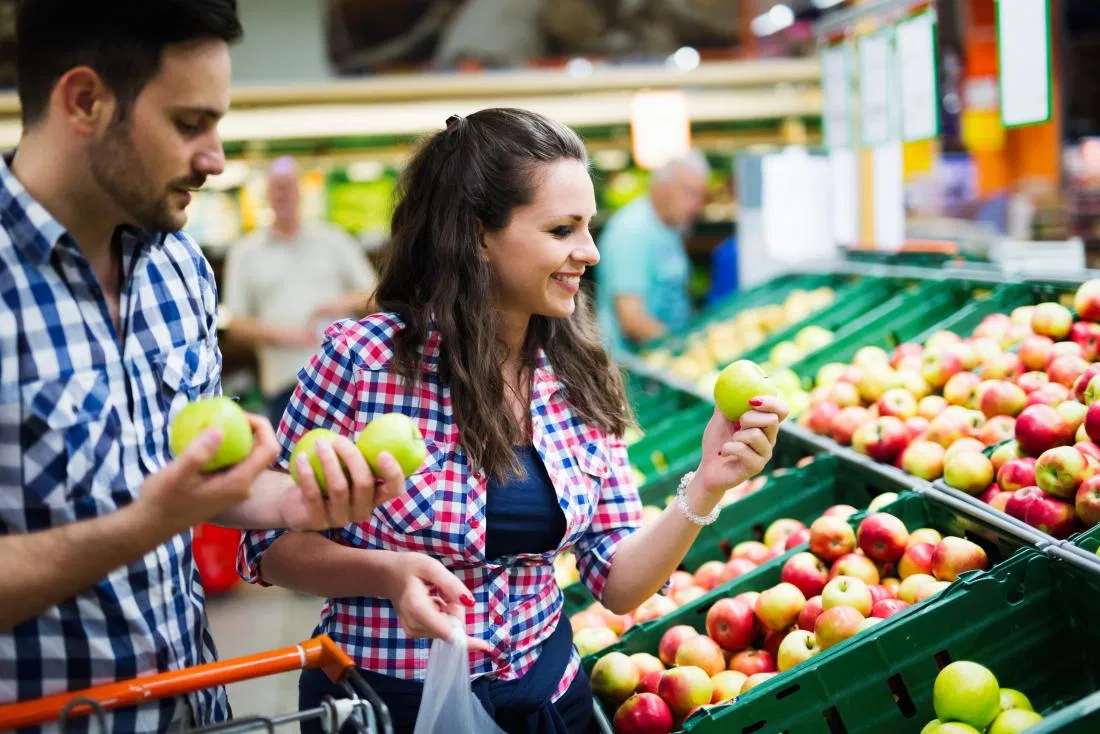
[968, 699]
[849, 581]
[722, 342]
[924, 406]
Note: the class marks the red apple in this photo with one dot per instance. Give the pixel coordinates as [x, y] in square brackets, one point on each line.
[683, 597]
[615, 677]
[916, 426]
[671, 641]
[752, 550]
[937, 367]
[734, 568]
[857, 566]
[646, 663]
[997, 429]
[822, 416]
[709, 574]
[680, 580]
[945, 429]
[1000, 501]
[847, 422]
[731, 624]
[954, 556]
[809, 614]
[1032, 381]
[797, 538]
[923, 459]
[931, 406]
[1002, 398]
[1021, 316]
[727, 685]
[1081, 385]
[1086, 334]
[651, 681]
[841, 511]
[882, 537]
[907, 592]
[1088, 448]
[892, 585]
[878, 593]
[964, 446]
[903, 350]
[1065, 370]
[702, 652]
[750, 662]
[888, 608]
[830, 538]
[644, 713]
[836, 625]
[1035, 352]
[1086, 301]
[969, 472]
[807, 572]
[1092, 422]
[898, 403]
[1020, 500]
[772, 638]
[1016, 474]
[1060, 471]
[1053, 320]
[797, 647]
[883, 439]
[917, 559]
[683, 689]
[847, 591]
[1087, 501]
[757, 680]
[1051, 515]
[1066, 349]
[780, 530]
[910, 381]
[748, 598]
[961, 388]
[877, 379]
[1050, 394]
[777, 608]
[924, 535]
[1041, 427]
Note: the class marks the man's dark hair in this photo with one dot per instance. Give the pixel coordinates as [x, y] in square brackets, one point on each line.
[122, 40]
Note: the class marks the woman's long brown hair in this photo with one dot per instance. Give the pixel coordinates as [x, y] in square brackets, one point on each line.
[479, 170]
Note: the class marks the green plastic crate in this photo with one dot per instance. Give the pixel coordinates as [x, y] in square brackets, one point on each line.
[915, 511]
[1031, 620]
[1080, 717]
[670, 439]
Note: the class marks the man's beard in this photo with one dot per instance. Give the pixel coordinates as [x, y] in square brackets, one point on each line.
[120, 172]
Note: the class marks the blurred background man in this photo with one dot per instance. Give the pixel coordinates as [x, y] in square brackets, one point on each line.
[643, 275]
[285, 283]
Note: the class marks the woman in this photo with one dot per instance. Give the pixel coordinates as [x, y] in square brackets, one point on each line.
[484, 339]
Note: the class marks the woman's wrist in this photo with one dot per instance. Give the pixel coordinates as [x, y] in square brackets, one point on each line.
[699, 500]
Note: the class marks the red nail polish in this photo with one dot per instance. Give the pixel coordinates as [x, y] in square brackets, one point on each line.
[737, 426]
[468, 599]
[756, 402]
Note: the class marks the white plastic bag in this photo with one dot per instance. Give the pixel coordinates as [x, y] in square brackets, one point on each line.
[449, 705]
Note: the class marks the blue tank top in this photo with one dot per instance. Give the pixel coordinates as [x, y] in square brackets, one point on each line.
[522, 515]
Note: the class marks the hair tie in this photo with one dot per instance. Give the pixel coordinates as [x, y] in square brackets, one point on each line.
[453, 120]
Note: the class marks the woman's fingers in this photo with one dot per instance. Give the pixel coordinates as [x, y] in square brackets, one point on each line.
[766, 422]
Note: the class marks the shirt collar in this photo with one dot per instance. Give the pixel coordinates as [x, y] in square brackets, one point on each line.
[35, 231]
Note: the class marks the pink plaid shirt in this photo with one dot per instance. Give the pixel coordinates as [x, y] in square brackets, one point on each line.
[518, 604]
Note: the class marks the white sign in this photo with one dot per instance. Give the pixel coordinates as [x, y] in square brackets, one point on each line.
[887, 172]
[916, 51]
[876, 103]
[1023, 57]
[660, 127]
[844, 197]
[837, 106]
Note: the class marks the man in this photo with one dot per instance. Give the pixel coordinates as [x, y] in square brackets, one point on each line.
[279, 286]
[642, 278]
[107, 328]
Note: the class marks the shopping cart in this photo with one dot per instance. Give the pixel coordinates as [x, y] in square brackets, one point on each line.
[364, 710]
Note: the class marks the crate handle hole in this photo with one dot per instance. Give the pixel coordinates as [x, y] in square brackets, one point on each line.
[1015, 595]
[726, 547]
[942, 658]
[835, 723]
[754, 727]
[758, 531]
[901, 696]
[788, 691]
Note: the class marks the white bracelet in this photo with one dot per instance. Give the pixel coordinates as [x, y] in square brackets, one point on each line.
[682, 505]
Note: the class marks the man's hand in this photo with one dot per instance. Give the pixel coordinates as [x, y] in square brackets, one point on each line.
[352, 489]
[298, 338]
[181, 495]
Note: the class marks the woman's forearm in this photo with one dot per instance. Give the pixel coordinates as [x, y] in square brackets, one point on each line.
[644, 561]
[313, 564]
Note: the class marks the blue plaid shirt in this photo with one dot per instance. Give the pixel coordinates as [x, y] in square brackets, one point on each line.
[83, 420]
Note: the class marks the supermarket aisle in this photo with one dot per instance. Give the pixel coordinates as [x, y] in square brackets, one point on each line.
[251, 619]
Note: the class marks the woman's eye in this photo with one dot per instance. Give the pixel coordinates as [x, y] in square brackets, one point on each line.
[561, 232]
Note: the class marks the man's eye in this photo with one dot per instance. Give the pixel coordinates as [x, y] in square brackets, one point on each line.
[187, 128]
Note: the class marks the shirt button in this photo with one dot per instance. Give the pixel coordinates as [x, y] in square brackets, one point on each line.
[498, 619]
[475, 524]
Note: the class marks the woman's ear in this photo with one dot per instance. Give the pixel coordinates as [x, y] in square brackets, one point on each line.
[482, 243]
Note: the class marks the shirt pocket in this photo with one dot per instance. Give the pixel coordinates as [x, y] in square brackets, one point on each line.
[406, 521]
[70, 437]
[180, 375]
[591, 469]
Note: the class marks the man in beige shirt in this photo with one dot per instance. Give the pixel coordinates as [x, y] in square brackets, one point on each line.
[285, 284]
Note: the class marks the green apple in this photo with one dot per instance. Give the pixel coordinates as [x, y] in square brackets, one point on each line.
[1013, 721]
[739, 383]
[217, 412]
[931, 727]
[967, 692]
[307, 445]
[396, 434]
[881, 501]
[955, 727]
[1013, 699]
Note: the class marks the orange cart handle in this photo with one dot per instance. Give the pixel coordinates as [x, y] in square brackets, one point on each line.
[320, 652]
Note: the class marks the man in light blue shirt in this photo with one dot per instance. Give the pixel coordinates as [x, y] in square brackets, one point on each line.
[642, 278]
